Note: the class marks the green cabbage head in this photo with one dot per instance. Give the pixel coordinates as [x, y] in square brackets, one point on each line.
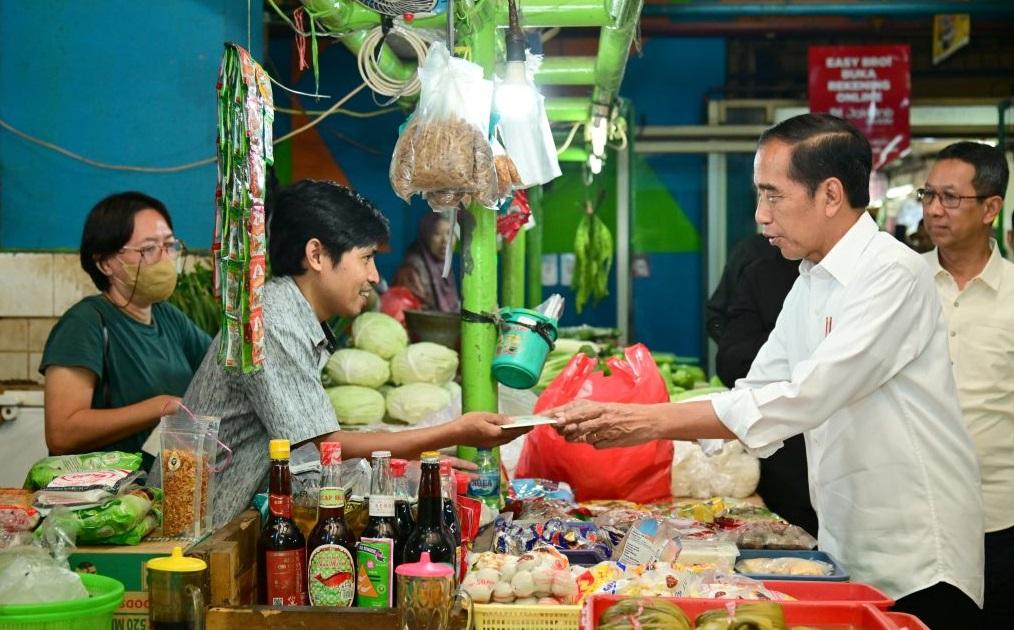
[379, 333]
[349, 366]
[415, 401]
[424, 362]
[356, 405]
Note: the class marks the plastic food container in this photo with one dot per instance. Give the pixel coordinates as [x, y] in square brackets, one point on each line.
[721, 553]
[93, 613]
[852, 615]
[838, 573]
[855, 592]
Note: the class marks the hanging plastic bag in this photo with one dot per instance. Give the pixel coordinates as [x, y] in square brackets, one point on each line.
[635, 473]
[525, 130]
[444, 150]
[189, 446]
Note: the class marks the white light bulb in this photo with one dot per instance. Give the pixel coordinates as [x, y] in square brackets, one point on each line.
[598, 133]
[515, 96]
[595, 164]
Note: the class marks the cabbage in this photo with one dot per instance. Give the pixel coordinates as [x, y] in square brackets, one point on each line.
[357, 367]
[379, 333]
[415, 401]
[356, 405]
[424, 362]
[453, 389]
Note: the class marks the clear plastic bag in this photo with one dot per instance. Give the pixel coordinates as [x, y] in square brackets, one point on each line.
[444, 150]
[188, 466]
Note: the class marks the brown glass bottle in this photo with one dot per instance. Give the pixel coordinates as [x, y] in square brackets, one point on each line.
[282, 549]
[430, 533]
[331, 567]
[402, 500]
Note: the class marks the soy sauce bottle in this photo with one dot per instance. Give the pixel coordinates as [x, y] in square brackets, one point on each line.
[331, 548]
[281, 548]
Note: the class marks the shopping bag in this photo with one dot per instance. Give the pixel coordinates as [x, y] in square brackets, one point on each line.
[635, 473]
[396, 300]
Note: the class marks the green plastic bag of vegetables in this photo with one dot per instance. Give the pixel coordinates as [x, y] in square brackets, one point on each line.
[49, 468]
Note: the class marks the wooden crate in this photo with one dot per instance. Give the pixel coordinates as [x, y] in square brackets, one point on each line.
[231, 554]
[268, 618]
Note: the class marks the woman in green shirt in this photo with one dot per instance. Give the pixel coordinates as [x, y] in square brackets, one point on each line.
[115, 360]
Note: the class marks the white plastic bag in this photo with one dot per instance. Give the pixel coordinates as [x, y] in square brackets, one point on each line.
[732, 472]
[524, 128]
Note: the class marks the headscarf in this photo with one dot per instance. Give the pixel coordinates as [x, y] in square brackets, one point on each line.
[445, 291]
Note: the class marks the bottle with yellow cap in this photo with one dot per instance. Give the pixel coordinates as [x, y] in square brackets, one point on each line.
[282, 548]
[176, 598]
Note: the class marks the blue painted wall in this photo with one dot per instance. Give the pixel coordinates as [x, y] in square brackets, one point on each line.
[115, 81]
[668, 86]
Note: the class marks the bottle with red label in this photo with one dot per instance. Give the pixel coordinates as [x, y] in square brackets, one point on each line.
[281, 548]
[331, 575]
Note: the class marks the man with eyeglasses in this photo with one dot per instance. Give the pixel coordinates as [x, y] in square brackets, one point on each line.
[961, 199]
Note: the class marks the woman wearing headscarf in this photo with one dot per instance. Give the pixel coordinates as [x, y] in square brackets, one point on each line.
[421, 270]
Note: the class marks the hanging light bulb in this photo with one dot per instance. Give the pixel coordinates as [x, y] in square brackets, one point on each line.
[594, 164]
[598, 134]
[515, 96]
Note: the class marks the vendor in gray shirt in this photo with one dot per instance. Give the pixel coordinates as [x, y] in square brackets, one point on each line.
[322, 239]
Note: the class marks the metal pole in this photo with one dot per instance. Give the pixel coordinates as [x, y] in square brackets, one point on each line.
[566, 71]
[717, 234]
[533, 249]
[624, 192]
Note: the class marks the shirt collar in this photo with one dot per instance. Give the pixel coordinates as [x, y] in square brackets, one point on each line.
[843, 259]
[990, 275]
[305, 317]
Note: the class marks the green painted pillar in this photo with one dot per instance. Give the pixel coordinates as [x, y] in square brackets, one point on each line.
[478, 340]
[533, 249]
[514, 271]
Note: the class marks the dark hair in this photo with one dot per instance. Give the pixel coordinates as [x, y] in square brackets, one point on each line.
[339, 218]
[991, 170]
[826, 146]
[109, 226]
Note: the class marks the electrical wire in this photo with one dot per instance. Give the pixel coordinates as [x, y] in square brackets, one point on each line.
[369, 65]
[179, 167]
[299, 32]
[570, 138]
[341, 112]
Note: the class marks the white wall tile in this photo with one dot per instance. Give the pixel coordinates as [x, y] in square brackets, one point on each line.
[70, 283]
[13, 366]
[38, 332]
[13, 334]
[27, 289]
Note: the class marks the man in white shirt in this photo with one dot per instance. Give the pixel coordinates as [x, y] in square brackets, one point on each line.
[962, 197]
[858, 364]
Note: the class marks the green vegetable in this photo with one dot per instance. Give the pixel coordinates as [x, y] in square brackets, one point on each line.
[415, 401]
[357, 367]
[356, 405]
[695, 392]
[424, 362]
[193, 296]
[49, 468]
[593, 258]
[646, 614]
[380, 334]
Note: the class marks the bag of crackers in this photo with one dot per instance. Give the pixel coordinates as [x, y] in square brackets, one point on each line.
[444, 151]
[188, 460]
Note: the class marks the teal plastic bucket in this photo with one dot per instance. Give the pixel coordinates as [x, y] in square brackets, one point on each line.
[526, 337]
[105, 595]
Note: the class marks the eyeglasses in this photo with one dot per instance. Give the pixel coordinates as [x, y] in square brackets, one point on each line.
[151, 254]
[947, 199]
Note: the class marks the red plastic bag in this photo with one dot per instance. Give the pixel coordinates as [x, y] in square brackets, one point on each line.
[635, 473]
[396, 300]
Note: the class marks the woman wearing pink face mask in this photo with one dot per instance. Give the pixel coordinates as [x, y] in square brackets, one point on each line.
[421, 271]
[115, 359]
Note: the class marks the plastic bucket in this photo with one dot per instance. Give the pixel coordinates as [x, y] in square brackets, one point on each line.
[526, 337]
[94, 613]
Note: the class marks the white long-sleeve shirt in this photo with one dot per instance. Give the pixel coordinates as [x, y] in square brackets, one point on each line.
[858, 363]
[980, 321]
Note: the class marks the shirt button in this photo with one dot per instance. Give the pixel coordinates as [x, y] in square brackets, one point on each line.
[955, 303]
[954, 334]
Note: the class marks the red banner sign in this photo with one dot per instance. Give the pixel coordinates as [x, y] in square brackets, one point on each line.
[869, 86]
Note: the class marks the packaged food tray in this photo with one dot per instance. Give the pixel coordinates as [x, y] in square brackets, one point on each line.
[857, 616]
[838, 574]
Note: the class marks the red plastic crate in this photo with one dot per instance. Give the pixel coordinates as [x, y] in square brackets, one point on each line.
[906, 621]
[858, 615]
[832, 592]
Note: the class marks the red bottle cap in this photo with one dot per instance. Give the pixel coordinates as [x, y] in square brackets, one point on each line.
[398, 467]
[330, 453]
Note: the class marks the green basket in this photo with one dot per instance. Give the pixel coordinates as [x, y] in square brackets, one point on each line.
[94, 613]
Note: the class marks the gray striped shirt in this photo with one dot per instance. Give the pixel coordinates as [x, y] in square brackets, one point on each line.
[285, 399]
